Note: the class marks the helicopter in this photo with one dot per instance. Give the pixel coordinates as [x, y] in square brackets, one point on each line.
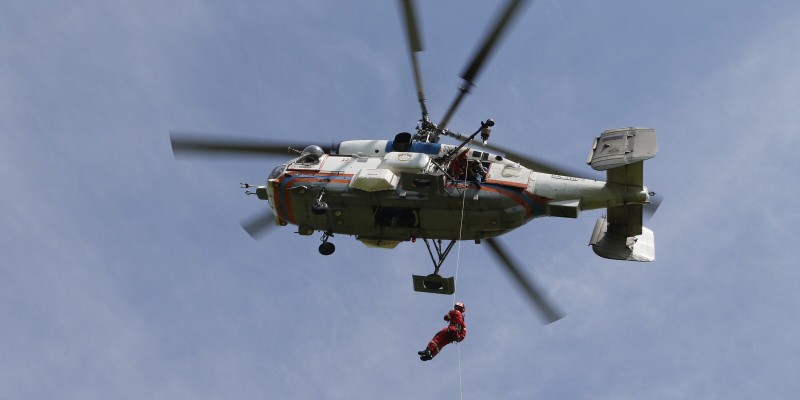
[411, 187]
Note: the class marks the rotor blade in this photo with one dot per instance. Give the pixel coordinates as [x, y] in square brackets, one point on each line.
[259, 224]
[549, 313]
[537, 164]
[194, 144]
[483, 53]
[414, 46]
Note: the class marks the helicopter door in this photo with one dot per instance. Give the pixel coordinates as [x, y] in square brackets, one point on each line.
[392, 217]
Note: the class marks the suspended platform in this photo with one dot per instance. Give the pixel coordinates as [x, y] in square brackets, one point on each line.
[434, 283]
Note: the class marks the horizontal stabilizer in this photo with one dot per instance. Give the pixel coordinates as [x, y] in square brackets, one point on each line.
[564, 208]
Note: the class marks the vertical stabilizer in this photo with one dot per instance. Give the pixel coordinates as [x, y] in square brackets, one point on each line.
[619, 235]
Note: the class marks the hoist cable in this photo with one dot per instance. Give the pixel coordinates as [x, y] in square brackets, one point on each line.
[455, 278]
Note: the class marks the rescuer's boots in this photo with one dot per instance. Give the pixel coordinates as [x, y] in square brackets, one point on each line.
[425, 355]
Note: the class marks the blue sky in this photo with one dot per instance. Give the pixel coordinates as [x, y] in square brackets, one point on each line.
[125, 273]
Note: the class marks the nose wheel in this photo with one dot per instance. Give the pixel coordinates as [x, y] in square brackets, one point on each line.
[320, 207]
[326, 248]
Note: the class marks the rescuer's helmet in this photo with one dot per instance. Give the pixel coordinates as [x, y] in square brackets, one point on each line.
[461, 306]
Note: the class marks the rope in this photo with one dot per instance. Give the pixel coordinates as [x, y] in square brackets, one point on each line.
[455, 279]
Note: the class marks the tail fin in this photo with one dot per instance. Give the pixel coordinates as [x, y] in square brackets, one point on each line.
[612, 238]
[619, 235]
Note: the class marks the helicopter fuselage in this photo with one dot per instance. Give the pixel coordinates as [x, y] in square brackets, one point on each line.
[383, 197]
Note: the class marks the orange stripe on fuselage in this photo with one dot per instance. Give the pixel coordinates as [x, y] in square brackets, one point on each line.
[284, 188]
[513, 193]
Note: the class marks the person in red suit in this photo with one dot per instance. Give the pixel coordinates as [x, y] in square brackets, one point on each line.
[458, 167]
[455, 331]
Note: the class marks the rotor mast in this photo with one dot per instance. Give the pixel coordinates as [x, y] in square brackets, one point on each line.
[427, 131]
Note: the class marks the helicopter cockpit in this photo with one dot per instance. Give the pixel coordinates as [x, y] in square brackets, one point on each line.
[310, 159]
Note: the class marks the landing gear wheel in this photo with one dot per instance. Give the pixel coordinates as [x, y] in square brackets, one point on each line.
[326, 248]
[319, 208]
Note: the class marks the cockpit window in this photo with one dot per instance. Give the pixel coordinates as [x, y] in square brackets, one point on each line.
[277, 171]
